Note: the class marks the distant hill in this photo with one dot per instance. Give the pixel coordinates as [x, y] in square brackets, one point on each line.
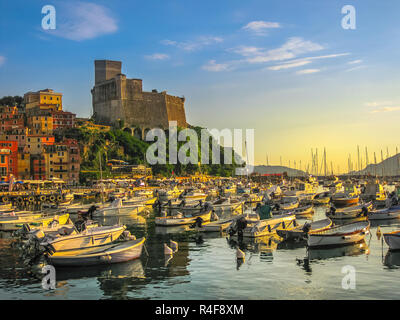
[278, 169]
[388, 167]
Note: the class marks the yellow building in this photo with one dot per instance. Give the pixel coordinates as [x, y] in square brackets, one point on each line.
[40, 123]
[24, 166]
[44, 99]
[57, 162]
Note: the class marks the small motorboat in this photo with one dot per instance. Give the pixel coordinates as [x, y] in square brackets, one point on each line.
[90, 237]
[227, 205]
[387, 213]
[223, 224]
[182, 219]
[352, 212]
[300, 232]
[392, 239]
[321, 198]
[261, 228]
[339, 235]
[304, 211]
[43, 221]
[343, 199]
[106, 254]
[117, 208]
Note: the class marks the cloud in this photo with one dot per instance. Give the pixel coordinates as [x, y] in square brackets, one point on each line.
[355, 68]
[158, 56]
[354, 62]
[379, 103]
[308, 71]
[289, 50]
[2, 60]
[289, 65]
[83, 21]
[304, 61]
[261, 27]
[199, 43]
[216, 67]
[386, 109]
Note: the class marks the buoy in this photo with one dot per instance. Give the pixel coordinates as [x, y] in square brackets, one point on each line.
[167, 250]
[240, 254]
[378, 232]
[174, 245]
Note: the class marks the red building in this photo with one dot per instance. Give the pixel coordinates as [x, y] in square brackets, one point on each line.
[8, 159]
[63, 120]
[11, 119]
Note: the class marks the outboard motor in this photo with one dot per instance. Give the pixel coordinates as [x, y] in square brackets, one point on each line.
[364, 212]
[182, 204]
[241, 225]
[277, 206]
[258, 206]
[306, 228]
[332, 210]
[198, 223]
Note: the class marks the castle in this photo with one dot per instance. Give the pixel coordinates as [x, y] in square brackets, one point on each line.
[116, 98]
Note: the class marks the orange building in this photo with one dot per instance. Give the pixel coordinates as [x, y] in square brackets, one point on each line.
[8, 159]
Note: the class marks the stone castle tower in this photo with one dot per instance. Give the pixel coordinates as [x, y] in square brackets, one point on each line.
[116, 98]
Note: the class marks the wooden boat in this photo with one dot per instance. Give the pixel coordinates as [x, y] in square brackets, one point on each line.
[12, 224]
[342, 199]
[182, 219]
[392, 239]
[107, 254]
[268, 226]
[351, 212]
[387, 213]
[339, 235]
[90, 237]
[300, 232]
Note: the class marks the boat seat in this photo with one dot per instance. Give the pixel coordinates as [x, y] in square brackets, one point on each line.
[65, 231]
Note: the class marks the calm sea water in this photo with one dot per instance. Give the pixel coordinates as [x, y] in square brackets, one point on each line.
[206, 268]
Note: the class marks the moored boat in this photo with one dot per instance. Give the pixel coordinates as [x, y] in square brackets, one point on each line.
[392, 239]
[90, 237]
[339, 235]
[182, 219]
[107, 254]
[300, 232]
[383, 214]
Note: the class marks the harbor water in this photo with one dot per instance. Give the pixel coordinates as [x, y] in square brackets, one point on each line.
[205, 267]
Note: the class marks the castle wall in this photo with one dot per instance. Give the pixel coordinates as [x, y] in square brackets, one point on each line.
[124, 99]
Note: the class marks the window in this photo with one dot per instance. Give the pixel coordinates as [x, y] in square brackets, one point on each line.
[2, 159]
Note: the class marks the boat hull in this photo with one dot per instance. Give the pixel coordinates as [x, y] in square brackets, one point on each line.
[125, 252]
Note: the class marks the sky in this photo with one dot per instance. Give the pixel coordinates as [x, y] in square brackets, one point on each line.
[287, 69]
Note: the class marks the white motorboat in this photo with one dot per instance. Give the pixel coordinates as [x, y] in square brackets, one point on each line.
[392, 239]
[339, 235]
[93, 236]
[387, 213]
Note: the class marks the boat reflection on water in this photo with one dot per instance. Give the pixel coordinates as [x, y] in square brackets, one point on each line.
[129, 269]
[265, 246]
[392, 259]
[335, 252]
